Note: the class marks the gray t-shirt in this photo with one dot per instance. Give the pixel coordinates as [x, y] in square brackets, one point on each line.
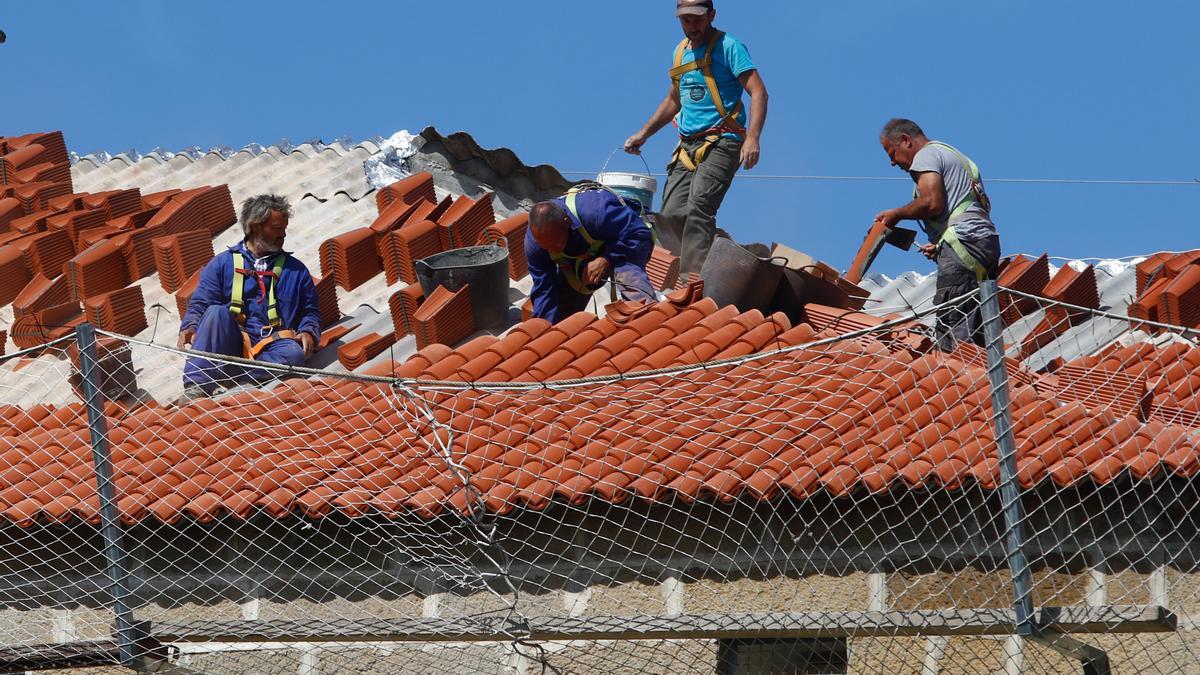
[975, 223]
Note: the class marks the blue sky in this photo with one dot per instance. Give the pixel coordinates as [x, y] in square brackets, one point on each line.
[1100, 90]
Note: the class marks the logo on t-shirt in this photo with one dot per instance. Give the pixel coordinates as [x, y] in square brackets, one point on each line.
[696, 93]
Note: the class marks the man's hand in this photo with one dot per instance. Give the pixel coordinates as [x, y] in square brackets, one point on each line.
[928, 250]
[633, 144]
[889, 218]
[308, 343]
[596, 271]
[750, 151]
[185, 338]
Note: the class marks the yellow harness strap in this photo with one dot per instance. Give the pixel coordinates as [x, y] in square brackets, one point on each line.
[949, 235]
[728, 122]
[572, 265]
[237, 304]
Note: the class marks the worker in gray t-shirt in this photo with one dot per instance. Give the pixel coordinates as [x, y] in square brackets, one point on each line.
[954, 211]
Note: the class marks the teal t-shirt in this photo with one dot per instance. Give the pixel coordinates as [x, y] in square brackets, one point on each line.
[699, 113]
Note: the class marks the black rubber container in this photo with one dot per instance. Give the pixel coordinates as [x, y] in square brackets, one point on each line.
[485, 268]
[734, 276]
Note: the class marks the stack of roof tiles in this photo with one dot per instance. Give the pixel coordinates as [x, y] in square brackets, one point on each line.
[403, 247]
[510, 233]
[327, 302]
[115, 203]
[1168, 287]
[445, 317]
[97, 270]
[183, 296]
[663, 269]
[357, 352]
[1074, 289]
[351, 258]
[205, 208]
[121, 311]
[1027, 276]
[74, 223]
[39, 326]
[113, 370]
[47, 252]
[14, 274]
[177, 257]
[464, 222]
[36, 159]
[412, 190]
[403, 305]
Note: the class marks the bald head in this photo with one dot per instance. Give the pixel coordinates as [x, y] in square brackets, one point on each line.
[549, 224]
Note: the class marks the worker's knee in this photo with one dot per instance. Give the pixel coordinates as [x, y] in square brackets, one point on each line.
[217, 316]
[284, 351]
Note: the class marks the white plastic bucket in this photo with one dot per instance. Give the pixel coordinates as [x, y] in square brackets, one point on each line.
[631, 186]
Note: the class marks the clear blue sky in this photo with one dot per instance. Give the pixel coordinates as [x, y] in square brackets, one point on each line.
[1029, 89]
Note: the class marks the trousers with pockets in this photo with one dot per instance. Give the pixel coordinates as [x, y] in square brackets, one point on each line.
[691, 198]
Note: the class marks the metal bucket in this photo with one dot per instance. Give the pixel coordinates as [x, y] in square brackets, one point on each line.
[485, 268]
[734, 276]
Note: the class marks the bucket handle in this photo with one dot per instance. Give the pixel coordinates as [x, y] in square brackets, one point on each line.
[604, 169]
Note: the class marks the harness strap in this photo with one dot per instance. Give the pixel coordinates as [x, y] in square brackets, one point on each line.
[728, 119]
[948, 235]
[252, 351]
[951, 238]
[237, 303]
[572, 266]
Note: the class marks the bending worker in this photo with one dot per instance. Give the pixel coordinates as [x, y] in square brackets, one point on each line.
[711, 71]
[576, 242]
[954, 210]
[253, 301]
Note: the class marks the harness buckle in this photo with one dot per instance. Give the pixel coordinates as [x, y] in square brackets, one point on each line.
[266, 331]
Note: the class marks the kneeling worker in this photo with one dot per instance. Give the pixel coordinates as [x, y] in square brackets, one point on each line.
[576, 242]
[253, 301]
[950, 202]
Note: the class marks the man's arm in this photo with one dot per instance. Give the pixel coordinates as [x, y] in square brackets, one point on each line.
[310, 312]
[666, 111]
[543, 272]
[753, 84]
[929, 203]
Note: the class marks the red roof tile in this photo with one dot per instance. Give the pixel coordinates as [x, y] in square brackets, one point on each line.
[351, 258]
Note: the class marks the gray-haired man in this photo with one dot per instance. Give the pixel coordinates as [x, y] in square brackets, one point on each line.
[253, 300]
[950, 202]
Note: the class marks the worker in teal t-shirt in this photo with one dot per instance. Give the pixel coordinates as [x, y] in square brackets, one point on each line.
[710, 71]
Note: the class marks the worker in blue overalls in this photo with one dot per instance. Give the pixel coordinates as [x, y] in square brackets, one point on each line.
[253, 301]
[577, 242]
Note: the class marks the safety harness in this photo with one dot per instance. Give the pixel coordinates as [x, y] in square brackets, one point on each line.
[267, 281]
[572, 266]
[728, 122]
[948, 235]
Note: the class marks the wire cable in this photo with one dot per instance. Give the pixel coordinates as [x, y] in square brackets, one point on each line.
[1194, 182]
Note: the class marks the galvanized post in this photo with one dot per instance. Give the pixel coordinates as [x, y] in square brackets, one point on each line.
[1010, 494]
[114, 551]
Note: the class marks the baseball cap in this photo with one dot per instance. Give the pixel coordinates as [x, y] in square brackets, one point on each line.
[693, 7]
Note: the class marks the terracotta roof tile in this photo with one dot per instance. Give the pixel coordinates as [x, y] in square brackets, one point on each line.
[351, 258]
[512, 232]
[444, 317]
[403, 305]
[411, 190]
[401, 248]
[177, 257]
[97, 270]
[463, 224]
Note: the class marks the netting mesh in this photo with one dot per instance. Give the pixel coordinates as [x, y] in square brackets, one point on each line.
[832, 507]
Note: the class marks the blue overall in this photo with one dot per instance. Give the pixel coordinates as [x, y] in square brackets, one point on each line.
[218, 330]
[627, 247]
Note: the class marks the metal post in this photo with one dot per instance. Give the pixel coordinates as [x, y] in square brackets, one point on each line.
[1010, 495]
[85, 335]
